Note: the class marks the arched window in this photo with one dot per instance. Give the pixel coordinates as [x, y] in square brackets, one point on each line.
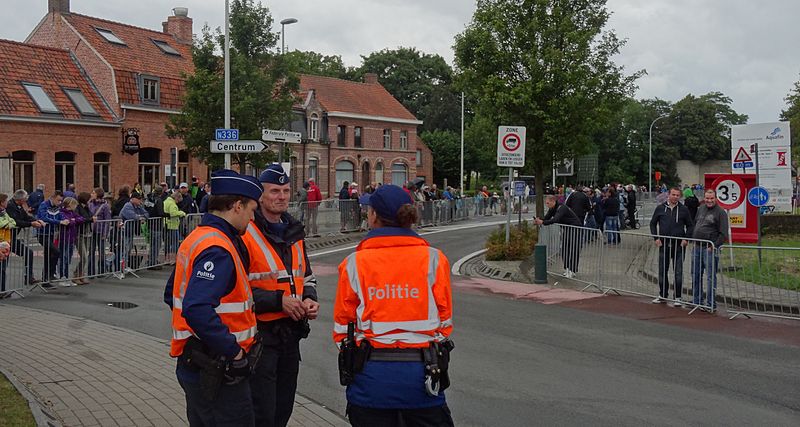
[24, 176]
[344, 172]
[314, 127]
[399, 174]
[65, 169]
[379, 173]
[149, 168]
[102, 162]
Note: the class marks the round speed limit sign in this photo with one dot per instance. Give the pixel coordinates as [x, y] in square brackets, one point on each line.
[730, 193]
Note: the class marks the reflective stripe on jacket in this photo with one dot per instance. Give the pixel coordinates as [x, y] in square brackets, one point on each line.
[235, 309]
[397, 291]
[268, 272]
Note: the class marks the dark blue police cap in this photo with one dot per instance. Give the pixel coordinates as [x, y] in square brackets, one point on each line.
[274, 174]
[228, 182]
[387, 200]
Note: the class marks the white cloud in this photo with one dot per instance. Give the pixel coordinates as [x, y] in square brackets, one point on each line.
[742, 48]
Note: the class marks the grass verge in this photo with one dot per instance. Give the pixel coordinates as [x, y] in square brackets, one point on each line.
[14, 410]
[778, 268]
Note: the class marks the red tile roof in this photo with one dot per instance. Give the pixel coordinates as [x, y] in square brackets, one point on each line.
[138, 55]
[53, 70]
[353, 97]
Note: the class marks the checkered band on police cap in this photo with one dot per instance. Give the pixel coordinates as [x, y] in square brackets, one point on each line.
[228, 182]
[274, 174]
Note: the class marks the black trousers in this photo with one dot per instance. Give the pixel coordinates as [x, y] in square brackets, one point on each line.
[437, 416]
[232, 407]
[274, 381]
[670, 251]
[51, 256]
[571, 247]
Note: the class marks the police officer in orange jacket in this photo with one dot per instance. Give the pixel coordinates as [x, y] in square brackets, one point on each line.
[395, 291]
[213, 324]
[284, 289]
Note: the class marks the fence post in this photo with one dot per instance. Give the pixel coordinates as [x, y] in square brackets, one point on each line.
[540, 264]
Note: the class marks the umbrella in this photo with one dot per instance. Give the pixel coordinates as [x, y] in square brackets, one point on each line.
[418, 182]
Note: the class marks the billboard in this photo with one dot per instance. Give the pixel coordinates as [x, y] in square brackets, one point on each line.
[774, 159]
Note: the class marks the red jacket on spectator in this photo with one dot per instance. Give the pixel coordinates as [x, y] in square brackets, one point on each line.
[314, 194]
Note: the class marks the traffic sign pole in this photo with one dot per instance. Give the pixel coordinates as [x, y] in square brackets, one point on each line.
[508, 204]
[758, 215]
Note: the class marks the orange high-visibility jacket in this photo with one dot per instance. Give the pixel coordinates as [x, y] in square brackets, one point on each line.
[268, 272]
[397, 291]
[235, 309]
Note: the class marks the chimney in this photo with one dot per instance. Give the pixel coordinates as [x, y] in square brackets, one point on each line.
[371, 78]
[58, 6]
[178, 25]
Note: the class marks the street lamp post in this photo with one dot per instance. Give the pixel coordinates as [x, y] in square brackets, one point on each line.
[650, 161]
[284, 23]
[227, 81]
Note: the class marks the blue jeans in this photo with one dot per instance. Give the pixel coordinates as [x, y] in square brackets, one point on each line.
[67, 249]
[612, 224]
[702, 259]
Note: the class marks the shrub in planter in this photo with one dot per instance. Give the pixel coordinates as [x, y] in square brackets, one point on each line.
[522, 239]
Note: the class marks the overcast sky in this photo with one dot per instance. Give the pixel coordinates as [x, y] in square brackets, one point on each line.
[743, 48]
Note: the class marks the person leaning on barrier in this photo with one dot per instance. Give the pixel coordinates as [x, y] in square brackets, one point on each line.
[6, 225]
[285, 293]
[670, 226]
[711, 224]
[17, 209]
[213, 323]
[172, 217]
[558, 213]
[393, 361]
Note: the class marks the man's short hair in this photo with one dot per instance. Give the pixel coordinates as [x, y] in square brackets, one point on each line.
[678, 189]
[712, 191]
[551, 198]
[224, 202]
[20, 195]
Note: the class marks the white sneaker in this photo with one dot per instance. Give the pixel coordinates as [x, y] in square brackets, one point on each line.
[570, 274]
[658, 300]
[677, 303]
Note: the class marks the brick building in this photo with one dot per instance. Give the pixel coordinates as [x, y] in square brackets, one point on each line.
[131, 77]
[356, 132]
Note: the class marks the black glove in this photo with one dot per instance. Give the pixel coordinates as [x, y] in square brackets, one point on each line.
[237, 370]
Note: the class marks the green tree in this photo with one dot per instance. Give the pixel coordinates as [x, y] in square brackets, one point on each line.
[317, 64]
[792, 115]
[546, 65]
[445, 147]
[262, 88]
[700, 126]
[421, 82]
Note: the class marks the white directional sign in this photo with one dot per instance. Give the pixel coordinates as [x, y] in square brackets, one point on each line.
[774, 158]
[243, 146]
[511, 146]
[281, 136]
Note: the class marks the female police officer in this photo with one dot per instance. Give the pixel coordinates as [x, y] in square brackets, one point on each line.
[394, 295]
[213, 324]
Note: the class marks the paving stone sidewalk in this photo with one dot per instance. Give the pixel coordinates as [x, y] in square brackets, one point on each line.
[85, 373]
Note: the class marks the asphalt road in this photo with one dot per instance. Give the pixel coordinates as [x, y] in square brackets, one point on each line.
[519, 362]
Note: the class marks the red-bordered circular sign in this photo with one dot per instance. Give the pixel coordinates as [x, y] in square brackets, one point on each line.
[512, 142]
[730, 191]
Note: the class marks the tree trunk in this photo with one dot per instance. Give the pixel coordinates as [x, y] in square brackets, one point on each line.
[539, 174]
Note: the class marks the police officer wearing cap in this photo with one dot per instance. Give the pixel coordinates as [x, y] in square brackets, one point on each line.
[213, 323]
[392, 320]
[284, 289]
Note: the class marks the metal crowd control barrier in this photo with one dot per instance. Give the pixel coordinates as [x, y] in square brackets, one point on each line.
[677, 273]
[761, 281]
[68, 255]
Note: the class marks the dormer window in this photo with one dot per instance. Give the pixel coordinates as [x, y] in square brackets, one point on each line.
[149, 87]
[110, 36]
[80, 102]
[166, 48]
[40, 98]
